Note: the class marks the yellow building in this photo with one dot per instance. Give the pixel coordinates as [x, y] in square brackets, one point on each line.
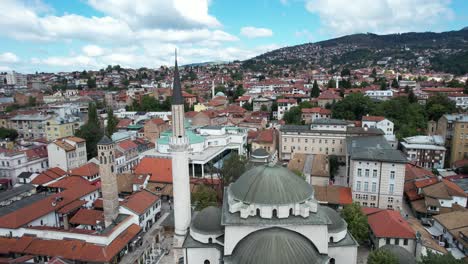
[459, 148]
[199, 107]
[58, 127]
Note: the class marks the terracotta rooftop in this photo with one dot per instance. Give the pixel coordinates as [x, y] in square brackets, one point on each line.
[87, 170]
[140, 202]
[160, 169]
[87, 217]
[265, 136]
[333, 194]
[318, 110]
[389, 223]
[124, 123]
[373, 118]
[48, 176]
[127, 145]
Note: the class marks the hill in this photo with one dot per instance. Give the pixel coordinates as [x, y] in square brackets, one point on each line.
[411, 50]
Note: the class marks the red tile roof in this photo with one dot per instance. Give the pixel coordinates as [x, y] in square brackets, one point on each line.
[266, 136]
[87, 170]
[319, 110]
[140, 202]
[69, 183]
[160, 169]
[389, 223]
[87, 217]
[48, 176]
[328, 95]
[127, 145]
[124, 123]
[157, 121]
[373, 118]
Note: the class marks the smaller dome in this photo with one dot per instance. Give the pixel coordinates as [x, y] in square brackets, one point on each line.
[208, 221]
[220, 94]
[276, 246]
[260, 153]
[403, 256]
[337, 222]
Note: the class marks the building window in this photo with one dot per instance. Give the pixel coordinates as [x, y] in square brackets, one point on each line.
[358, 185]
[374, 173]
[364, 204]
[373, 197]
[374, 187]
[367, 173]
[392, 187]
[392, 175]
[359, 172]
[390, 199]
[397, 241]
[387, 241]
[366, 186]
[372, 204]
[405, 242]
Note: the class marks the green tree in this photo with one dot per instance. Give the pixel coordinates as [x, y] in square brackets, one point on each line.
[239, 91]
[248, 106]
[434, 258]
[331, 83]
[357, 222]
[112, 122]
[293, 116]
[91, 131]
[315, 92]
[31, 101]
[233, 167]
[465, 88]
[237, 76]
[264, 108]
[203, 197]
[91, 83]
[334, 165]
[395, 83]
[8, 133]
[439, 105]
[345, 72]
[353, 107]
[381, 256]
[412, 97]
[374, 73]
[383, 85]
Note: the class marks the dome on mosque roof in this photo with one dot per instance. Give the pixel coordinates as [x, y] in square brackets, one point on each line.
[220, 94]
[270, 185]
[208, 221]
[403, 256]
[276, 246]
[337, 222]
[260, 153]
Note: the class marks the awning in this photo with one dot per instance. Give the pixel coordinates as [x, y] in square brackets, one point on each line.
[434, 231]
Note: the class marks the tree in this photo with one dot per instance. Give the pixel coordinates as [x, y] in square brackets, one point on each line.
[381, 256]
[248, 106]
[383, 85]
[439, 105]
[203, 197]
[239, 91]
[293, 116]
[357, 221]
[91, 131]
[334, 165]
[8, 133]
[434, 258]
[264, 108]
[353, 107]
[465, 88]
[233, 167]
[395, 83]
[31, 101]
[331, 83]
[345, 72]
[112, 122]
[374, 73]
[315, 92]
[412, 97]
[91, 83]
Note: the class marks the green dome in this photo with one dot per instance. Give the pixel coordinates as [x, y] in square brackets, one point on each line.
[271, 185]
[403, 256]
[208, 221]
[337, 222]
[276, 246]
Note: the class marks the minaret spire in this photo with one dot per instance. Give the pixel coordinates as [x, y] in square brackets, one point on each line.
[177, 97]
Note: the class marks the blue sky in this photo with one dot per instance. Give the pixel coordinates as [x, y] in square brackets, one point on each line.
[65, 35]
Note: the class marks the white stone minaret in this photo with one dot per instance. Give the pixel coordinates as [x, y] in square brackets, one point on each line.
[110, 193]
[212, 89]
[180, 169]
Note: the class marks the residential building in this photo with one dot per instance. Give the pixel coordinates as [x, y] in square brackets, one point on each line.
[145, 206]
[451, 229]
[130, 150]
[30, 126]
[379, 122]
[454, 129]
[327, 98]
[285, 105]
[60, 127]
[154, 127]
[461, 100]
[425, 151]
[262, 101]
[333, 196]
[388, 227]
[376, 172]
[381, 95]
[15, 162]
[67, 153]
[309, 115]
[266, 139]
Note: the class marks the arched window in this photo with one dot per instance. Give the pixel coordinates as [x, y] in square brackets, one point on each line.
[331, 239]
[332, 261]
[291, 211]
[210, 240]
[258, 211]
[105, 160]
[275, 213]
[206, 262]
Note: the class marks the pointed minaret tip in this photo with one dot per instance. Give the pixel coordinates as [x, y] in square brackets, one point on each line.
[177, 98]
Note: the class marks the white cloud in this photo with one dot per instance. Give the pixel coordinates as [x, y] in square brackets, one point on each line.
[304, 34]
[255, 32]
[92, 50]
[181, 14]
[5, 68]
[341, 17]
[8, 57]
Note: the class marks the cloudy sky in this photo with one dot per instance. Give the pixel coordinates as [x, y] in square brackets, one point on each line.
[64, 35]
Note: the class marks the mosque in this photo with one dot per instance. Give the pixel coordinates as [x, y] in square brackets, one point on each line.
[269, 215]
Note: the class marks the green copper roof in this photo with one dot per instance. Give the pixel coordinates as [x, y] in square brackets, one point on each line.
[337, 222]
[192, 137]
[403, 256]
[208, 221]
[273, 185]
[276, 246]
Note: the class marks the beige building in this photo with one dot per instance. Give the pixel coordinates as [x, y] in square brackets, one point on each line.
[266, 139]
[323, 136]
[30, 126]
[454, 129]
[375, 172]
[58, 127]
[154, 127]
[67, 153]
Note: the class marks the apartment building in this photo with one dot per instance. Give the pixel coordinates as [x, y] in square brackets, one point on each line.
[285, 105]
[30, 126]
[309, 115]
[375, 172]
[454, 129]
[14, 162]
[379, 122]
[323, 136]
[67, 153]
[60, 127]
[425, 151]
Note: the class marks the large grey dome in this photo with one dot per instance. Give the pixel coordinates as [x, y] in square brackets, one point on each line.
[337, 222]
[276, 246]
[208, 221]
[403, 256]
[272, 185]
